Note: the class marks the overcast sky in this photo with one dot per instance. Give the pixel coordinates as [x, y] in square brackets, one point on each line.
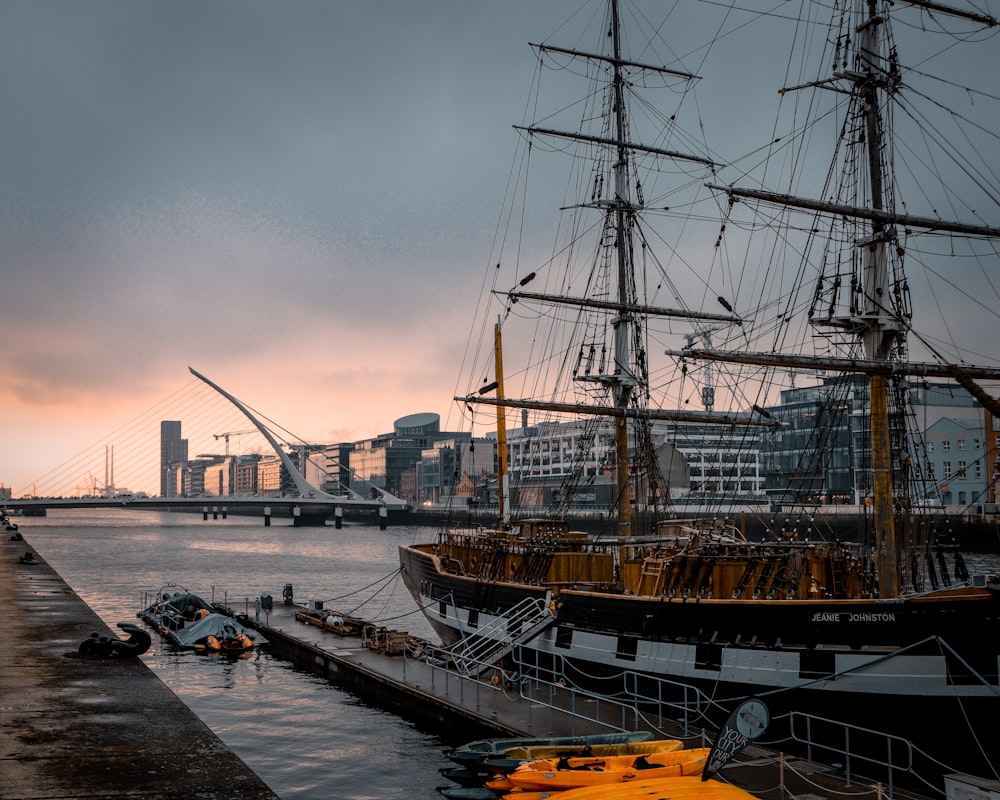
[281, 194]
[297, 198]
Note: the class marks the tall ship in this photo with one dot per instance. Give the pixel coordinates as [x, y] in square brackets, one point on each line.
[685, 290]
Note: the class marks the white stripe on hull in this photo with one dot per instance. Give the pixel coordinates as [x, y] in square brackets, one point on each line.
[856, 672]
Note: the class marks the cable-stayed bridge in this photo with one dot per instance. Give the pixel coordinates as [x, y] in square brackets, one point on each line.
[125, 468]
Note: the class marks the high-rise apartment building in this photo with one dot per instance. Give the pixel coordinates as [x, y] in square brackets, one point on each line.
[173, 453]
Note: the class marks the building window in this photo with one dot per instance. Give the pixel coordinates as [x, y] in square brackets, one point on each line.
[961, 444]
[946, 469]
[961, 470]
[930, 447]
[946, 445]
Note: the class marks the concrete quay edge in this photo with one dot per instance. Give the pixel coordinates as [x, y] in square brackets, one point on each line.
[76, 727]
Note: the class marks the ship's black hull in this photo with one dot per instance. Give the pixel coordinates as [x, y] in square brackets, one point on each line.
[924, 671]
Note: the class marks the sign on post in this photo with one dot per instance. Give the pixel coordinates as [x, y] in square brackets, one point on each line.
[744, 725]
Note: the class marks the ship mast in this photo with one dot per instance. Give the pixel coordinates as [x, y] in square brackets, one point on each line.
[502, 476]
[623, 377]
[878, 318]
[880, 331]
[623, 382]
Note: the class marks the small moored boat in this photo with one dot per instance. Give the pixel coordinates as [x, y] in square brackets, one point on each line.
[186, 621]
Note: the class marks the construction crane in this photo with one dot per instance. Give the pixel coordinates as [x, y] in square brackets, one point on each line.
[90, 487]
[708, 388]
[227, 434]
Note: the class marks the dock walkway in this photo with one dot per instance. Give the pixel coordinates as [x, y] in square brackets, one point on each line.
[439, 700]
[75, 727]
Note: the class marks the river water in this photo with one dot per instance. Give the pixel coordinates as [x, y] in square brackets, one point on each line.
[306, 738]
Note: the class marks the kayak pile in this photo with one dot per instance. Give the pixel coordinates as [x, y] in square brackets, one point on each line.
[583, 768]
[478, 761]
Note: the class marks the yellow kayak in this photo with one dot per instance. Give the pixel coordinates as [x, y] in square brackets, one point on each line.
[514, 757]
[571, 773]
[686, 788]
[620, 749]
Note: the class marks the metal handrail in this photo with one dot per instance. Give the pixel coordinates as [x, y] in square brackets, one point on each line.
[894, 745]
[693, 705]
[531, 680]
[442, 660]
[493, 641]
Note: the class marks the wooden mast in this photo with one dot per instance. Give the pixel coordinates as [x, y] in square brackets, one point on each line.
[880, 329]
[502, 476]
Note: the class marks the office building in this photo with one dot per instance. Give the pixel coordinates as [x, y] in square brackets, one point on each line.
[173, 453]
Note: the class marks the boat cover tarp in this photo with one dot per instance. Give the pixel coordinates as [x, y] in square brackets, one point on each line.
[185, 602]
[218, 625]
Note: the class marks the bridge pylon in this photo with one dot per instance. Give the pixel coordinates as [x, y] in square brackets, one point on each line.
[384, 501]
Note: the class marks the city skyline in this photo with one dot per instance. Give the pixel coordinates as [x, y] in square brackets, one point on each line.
[543, 452]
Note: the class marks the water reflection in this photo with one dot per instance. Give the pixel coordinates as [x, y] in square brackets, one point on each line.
[306, 738]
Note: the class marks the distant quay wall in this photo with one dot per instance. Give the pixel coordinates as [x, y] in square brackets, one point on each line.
[973, 530]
